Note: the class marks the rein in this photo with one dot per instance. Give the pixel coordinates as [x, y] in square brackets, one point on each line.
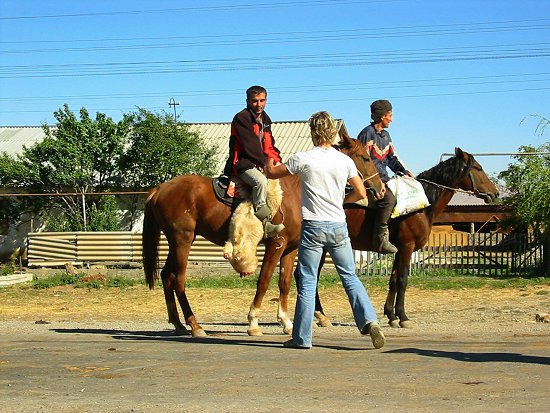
[445, 187]
[475, 192]
[367, 178]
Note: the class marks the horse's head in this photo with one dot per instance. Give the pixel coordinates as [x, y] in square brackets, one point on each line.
[365, 166]
[476, 180]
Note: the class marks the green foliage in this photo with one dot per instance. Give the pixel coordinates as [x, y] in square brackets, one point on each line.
[103, 216]
[87, 155]
[160, 148]
[81, 281]
[55, 281]
[6, 269]
[528, 179]
[329, 279]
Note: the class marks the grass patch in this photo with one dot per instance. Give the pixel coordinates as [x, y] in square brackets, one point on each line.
[83, 281]
[329, 278]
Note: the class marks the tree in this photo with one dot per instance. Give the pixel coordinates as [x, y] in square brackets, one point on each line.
[158, 149]
[86, 155]
[528, 179]
[78, 155]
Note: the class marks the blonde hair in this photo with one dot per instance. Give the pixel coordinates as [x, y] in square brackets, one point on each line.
[323, 128]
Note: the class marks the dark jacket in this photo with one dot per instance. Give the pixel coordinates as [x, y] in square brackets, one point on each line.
[382, 152]
[250, 145]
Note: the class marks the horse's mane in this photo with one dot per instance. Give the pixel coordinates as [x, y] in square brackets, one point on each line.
[354, 147]
[444, 173]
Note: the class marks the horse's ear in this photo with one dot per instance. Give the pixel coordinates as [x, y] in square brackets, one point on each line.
[345, 139]
[459, 153]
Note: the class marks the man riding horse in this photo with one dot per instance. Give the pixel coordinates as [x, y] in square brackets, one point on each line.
[250, 146]
[379, 144]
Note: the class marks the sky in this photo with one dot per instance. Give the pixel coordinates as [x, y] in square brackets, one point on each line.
[468, 74]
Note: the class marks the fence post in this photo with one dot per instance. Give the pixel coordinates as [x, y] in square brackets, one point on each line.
[84, 210]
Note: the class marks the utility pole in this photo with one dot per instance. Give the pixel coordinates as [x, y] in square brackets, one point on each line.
[173, 103]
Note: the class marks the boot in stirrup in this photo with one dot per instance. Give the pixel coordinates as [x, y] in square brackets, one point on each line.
[270, 229]
[380, 241]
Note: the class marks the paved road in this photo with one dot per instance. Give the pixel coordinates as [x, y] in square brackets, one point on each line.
[133, 367]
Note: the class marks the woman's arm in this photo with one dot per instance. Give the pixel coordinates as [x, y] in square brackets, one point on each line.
[359, 192]
[273, 171]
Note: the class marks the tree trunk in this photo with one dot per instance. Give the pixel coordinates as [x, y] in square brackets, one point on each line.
[546, 253]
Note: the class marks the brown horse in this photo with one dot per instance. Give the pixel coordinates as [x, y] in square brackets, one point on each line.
[410, 232]
[186, 206]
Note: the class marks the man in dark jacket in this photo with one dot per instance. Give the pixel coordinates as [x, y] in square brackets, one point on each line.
[250, 146]
[379, 144]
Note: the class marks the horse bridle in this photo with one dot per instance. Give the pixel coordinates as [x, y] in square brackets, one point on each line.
[363, 179]
[370, 188]
[474, 192]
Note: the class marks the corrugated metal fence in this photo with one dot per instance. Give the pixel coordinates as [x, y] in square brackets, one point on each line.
[483, 254]
[54, 249]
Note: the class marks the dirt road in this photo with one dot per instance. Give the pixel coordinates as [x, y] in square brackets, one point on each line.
[111, 351]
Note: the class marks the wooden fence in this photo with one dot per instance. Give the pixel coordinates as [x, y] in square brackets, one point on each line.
[483, 254]
[493, 254]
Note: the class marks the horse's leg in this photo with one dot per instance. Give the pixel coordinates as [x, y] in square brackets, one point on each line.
[168, 277]
[319, 313]
[272, 256]
[402, 281]
[285, 280]
[182, 246]
[390, 299]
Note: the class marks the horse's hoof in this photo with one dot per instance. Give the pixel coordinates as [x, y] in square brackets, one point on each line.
[287, 331]
[199, 332]
[322, 319]
[256, 332]
[181, 331]
[406, 324]
[394, 324]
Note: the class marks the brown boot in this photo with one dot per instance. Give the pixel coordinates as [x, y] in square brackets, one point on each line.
[380, 240]
[380, 233]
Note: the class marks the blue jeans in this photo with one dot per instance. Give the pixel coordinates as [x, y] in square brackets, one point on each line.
[334, 236]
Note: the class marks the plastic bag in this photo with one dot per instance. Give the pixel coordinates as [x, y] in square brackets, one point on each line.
[409, 194]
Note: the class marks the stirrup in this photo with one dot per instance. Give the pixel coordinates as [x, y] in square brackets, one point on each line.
[270, 229]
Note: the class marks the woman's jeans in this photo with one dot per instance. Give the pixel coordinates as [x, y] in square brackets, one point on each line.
[334, 237]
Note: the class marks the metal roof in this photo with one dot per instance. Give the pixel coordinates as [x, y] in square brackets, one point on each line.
[462, 199]
[290, 137]
[12, 139]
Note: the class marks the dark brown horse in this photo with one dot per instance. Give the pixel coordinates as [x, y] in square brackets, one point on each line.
[410, 232]
[186, 206]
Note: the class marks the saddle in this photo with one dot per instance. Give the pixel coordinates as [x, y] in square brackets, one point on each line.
[230, 190]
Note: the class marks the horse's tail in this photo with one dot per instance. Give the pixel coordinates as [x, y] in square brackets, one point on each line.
[150, 241]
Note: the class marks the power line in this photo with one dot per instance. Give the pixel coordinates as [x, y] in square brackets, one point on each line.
[318, 100]
[283, 37]
[321, 88]
[248, 6]
[467, 53]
